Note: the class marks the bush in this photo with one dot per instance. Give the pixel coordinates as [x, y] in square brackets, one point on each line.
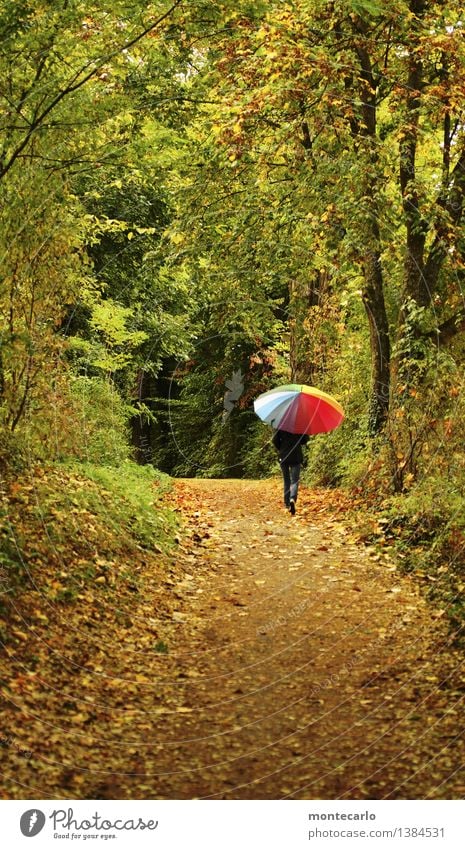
[259, 458]
[87, 420]
[339, 458]
[12, 455]
[104, 421]
[79, 417]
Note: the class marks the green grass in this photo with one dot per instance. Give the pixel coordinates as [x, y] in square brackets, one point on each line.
[128, 498]
[72, 523]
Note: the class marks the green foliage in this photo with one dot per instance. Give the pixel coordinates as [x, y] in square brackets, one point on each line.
[132, 501]
[13, 457]
[103, 421]
[43, 269]
[65, 66]
[328, 457]
[85, 418]
[78, 521]
[110, 322]
[258, 456]
[82, 267]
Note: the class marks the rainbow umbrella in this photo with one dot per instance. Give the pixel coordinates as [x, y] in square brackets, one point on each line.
[297, 408]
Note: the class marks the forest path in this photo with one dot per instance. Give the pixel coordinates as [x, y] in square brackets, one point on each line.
[270, 657]
[308, 668]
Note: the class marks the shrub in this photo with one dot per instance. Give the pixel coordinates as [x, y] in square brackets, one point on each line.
[85, 419]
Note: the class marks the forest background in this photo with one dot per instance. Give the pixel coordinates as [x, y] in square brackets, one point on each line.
[203, 198]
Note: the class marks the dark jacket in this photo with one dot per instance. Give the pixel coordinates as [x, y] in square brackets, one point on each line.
[289, 446]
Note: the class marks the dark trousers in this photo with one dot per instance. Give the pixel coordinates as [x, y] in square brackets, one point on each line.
[291, 475]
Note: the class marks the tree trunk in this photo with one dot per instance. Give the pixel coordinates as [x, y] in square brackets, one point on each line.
[373, 290]
[303, 299]
[373, 301]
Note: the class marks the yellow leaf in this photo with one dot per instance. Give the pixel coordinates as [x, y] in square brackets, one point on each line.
[79, 718]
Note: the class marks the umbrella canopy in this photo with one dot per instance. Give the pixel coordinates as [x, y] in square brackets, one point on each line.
[299, 409]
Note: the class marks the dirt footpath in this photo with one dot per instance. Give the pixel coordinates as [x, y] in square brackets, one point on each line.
[308, 668]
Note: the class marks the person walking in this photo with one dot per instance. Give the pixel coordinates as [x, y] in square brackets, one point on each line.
[289, 447]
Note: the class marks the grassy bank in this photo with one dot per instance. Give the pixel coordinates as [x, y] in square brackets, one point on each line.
[71, 532]
[424, 530]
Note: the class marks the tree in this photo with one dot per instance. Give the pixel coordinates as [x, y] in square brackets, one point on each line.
[63, 111]
[324, 110]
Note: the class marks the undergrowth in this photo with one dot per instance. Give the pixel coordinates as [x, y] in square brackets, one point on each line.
[425, 530]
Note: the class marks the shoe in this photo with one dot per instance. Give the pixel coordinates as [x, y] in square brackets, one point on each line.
[292, 507]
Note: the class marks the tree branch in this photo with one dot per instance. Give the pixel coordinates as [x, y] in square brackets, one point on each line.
[454, 207]
[449, 329]
[74, 84]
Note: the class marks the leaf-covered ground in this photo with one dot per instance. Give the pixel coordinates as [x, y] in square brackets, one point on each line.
[271, 656]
